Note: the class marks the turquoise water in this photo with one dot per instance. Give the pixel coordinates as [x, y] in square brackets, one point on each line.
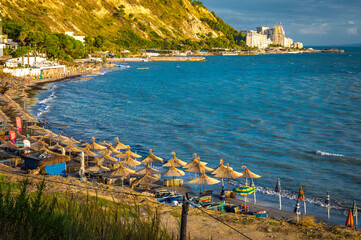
[294, 116]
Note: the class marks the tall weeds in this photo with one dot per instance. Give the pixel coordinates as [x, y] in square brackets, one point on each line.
[38, 215]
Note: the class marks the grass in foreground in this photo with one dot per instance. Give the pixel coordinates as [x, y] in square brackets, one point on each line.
[25, 215]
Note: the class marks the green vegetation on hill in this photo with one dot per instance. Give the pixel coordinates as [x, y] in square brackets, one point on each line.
[114, 26]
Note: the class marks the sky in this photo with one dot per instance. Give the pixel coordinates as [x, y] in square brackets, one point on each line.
[312, 22]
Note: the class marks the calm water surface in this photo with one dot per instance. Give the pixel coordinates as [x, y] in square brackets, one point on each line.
[294, 116]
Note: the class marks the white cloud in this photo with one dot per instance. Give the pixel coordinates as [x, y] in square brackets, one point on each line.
[314, 28]
[351, 22]
[352, 31]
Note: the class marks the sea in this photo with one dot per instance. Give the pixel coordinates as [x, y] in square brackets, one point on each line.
[296, 117]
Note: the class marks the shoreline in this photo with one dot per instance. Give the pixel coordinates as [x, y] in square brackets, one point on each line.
[274, 213]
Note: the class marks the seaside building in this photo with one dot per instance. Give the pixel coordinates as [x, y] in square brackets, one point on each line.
[264, 36]
[79, 38]
[288, 42]
[256, 39]
[298, 45]
[278, 35]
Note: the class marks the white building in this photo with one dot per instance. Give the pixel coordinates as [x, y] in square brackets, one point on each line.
[255, 39]
[31, 61]
[288, 42]
[79, 38]
[298, 45]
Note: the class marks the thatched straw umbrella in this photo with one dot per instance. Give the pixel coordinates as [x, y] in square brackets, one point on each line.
[130, 162]
[199, 167]
[229, 173]
[147, 169]
[120, 172]
[248, 174]
[118, 145]
[204, 180]
[9, 145]
[145, 180]
[194, 162]
[176, 162]
[56, 147]
[61, 139]
[95, 147]
[71, 149]
[106, 159]
[152, 158]
[38, 145]
[220, 168]
[105, 144]
[110, 150]
[128, 153]
[173, 172]
[97, 169]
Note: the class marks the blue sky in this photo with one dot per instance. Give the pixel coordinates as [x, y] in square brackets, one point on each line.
[315, 23]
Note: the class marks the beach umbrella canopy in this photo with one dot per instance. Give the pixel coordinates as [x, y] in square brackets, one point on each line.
[173, 172]
[87, 152]
[248, 174]
[152, 158]
[204, 180]
[95, 147]
[220, 168]
[71, 149]
[56, 147]
[97, 169]
[9, 145]
[147, 169]
[301, 196]
[106, 159]
[146, 180]
[245, 190]
[128, 153]
[194, 162]
[110, 150]
[229, 173]
[61, 139]
[199, 167]
[349, 219]
[130, 162]
[38, 145]
[121, 171]
[175, 161]
[118, 145]
[105, 144]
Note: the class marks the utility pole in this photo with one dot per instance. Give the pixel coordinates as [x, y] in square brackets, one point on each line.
[183, 229]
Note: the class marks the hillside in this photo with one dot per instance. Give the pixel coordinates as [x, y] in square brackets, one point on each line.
[149, 19]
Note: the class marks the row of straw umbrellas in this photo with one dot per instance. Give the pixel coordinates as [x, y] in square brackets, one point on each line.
[121, 162]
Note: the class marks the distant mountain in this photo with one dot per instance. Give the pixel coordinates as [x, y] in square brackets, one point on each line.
[147, 19]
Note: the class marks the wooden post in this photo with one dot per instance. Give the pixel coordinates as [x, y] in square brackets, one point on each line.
[183, 229]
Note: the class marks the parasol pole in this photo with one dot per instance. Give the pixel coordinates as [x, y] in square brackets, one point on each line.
[278, 190]
[297, 210]
[327, 202]
[254, 193]
[354, 213]
[304, 205]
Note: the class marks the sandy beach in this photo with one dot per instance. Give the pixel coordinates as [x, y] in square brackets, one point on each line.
[202, 224]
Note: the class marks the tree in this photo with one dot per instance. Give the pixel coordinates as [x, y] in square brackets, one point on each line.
[99, 41]
[20, 51]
